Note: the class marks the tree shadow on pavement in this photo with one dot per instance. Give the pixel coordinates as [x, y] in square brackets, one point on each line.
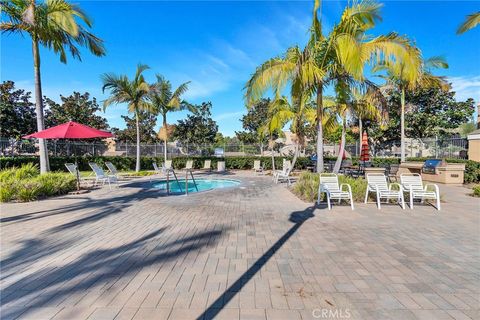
[297, 218]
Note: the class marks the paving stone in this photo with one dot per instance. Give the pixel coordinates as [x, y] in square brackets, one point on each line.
[255, 252]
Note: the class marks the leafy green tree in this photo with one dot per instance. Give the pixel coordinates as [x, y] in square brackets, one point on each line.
[467, 128]
[132, 92]
[147, 123]
[471, 21]
[221, 140]
[53, 24]
[430, 112]
[75, 107]
[164, 101]
[253, 121]
[198, 128]
[433, 111]
[17, 113]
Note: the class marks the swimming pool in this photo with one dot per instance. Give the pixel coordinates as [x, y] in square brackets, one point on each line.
[202, 185]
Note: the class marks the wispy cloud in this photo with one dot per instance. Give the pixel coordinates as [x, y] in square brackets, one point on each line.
[466, 87]
[228, 115]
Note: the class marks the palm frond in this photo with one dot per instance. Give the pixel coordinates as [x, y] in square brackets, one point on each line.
[471, 21]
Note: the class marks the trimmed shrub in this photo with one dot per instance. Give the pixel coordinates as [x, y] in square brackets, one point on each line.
[26, 183]
[476, 191]
[306, 187]
[472, 168]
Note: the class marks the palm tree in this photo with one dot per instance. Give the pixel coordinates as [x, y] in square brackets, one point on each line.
[165, 101]
[271, 127]
[133, 92]
[363, 103]
[471, 21]
[54, 24]
[409, 76]
[346, 50]
[299, 113]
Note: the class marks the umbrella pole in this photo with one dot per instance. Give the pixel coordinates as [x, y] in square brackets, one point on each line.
[78, 170]
[78, 174]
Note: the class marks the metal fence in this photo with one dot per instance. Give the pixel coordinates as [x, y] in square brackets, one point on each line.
[433, 148]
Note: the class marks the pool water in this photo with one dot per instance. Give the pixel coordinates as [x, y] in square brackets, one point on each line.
[202, 185]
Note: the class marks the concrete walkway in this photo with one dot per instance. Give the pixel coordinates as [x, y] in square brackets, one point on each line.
[251, 252]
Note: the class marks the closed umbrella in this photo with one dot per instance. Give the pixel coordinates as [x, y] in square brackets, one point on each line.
[365, 153]
[70, 130]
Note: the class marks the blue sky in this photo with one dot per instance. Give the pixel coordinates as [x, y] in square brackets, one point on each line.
[217, 46]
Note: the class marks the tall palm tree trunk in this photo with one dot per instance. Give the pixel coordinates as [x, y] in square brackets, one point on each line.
[341, 150]
[270, 143]
[320, 166]
[165, 141]
[360, 129]
[137, 165]
[295, 156]
[402, 125]
[44, 164]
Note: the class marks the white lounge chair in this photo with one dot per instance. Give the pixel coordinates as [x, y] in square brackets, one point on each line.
[101, 176]
[285, 165]
[156, 168]
[188, 166]
[166, 166]
[207, 165]
[113, 170]
[284, 175]
[377, 182]
[73, 169]
[257, 166]
[333, 191]
[413, 184]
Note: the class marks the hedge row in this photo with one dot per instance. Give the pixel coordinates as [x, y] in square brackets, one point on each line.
[472, 168]
[146, 163]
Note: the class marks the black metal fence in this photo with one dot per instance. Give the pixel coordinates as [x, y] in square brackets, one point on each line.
[434, 148]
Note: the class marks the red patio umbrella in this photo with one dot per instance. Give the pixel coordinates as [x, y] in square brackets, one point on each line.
[70, 130]
[365, 154]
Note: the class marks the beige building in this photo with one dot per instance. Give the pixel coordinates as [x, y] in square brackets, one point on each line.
[474, 145]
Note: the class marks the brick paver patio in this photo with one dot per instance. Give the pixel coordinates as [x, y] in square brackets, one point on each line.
[252, 252]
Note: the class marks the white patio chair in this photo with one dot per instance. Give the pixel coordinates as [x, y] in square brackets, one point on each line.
[207, 165]
[333, 191]
[413, 184]
[188, 166]
[377, 182]
[73, 169]
[285, 165]
[113, 170]
[156, 168]
[284, 175]
[166, 166]
[257, 166]
[101, 176]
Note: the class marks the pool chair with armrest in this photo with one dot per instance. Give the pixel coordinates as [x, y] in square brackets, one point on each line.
[377, 183]
[333, 191]
[413, 184]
